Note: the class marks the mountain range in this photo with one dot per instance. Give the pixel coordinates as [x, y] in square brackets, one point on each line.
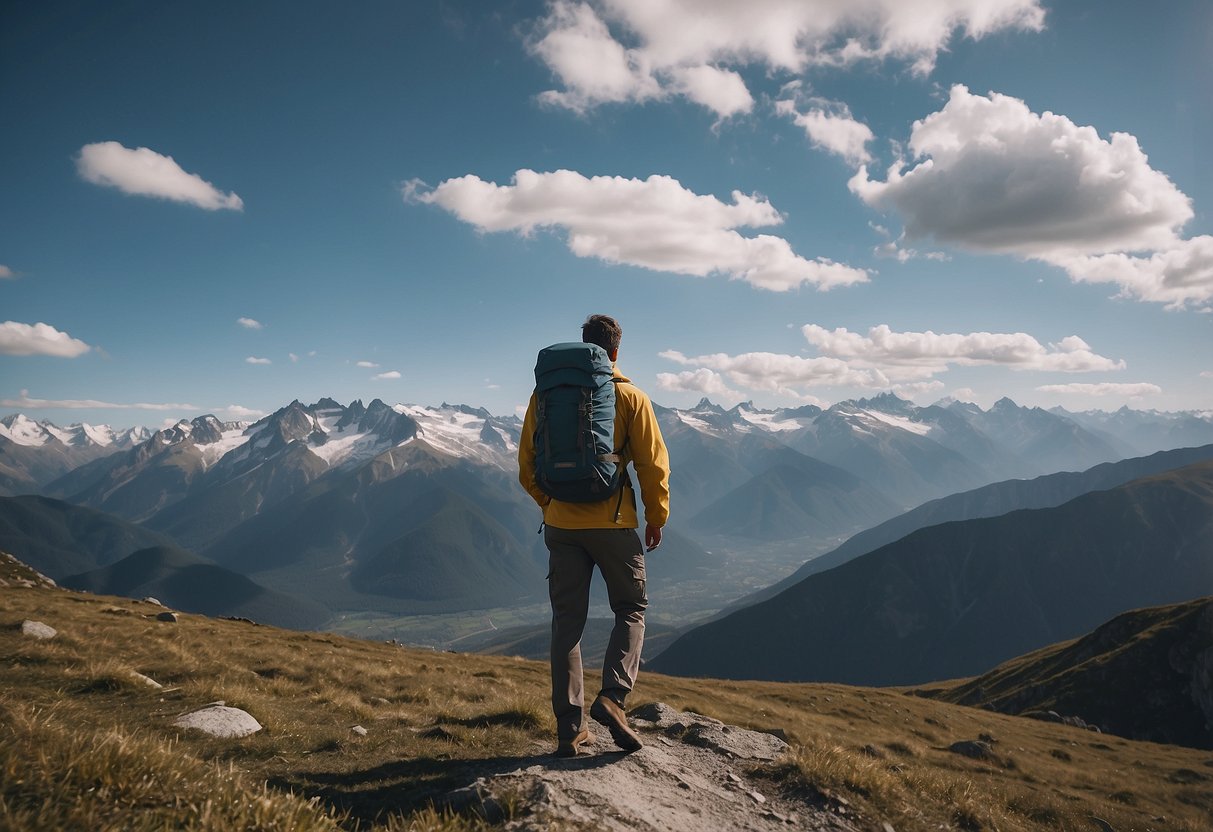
[955, 599]
[416, 509]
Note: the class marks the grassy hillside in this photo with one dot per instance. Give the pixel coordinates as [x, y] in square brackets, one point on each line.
[1167, 652]
[86, 745]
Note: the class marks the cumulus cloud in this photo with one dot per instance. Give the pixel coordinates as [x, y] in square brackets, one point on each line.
[695, 381]
[654, 223]
[964, 394]
[6, 272]
[776, 373]
[990, 175]
[993, 176]
[883, 359]
[249, 323]
[144, 172]
[636, 50]
[25, 401]
[38, 339]
[930, 352]
[1106, 388]
[1177, 276]
[366, 364]
[252, 359]
[830, 127]
[388, 376]
[720, 90]
[293, 357]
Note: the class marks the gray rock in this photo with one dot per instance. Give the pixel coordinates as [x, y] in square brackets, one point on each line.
[38, 630]
[703, 731]
[167, 616]
[975, 749]
[150, 600]
[359, 730]
[220, 721]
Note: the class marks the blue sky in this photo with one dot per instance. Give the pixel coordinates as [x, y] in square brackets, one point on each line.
[345, 179]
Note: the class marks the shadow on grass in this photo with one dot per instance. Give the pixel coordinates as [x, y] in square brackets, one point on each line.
[409, 785]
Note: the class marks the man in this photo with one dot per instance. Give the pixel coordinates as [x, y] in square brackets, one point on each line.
[582, 535]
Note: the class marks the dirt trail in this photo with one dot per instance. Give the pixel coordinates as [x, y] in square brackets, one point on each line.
[693, 775]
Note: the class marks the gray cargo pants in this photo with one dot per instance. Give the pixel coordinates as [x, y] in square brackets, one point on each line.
[573, 553]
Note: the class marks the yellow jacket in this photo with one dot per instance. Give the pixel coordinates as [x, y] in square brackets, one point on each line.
[637, 432]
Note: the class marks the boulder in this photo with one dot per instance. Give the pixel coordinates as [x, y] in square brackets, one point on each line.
[220, 721]
[167, 616]
[38, 630]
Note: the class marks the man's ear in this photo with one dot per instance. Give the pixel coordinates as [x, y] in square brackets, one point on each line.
[614, 356]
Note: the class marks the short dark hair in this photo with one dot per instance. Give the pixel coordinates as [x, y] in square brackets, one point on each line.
[602, 330]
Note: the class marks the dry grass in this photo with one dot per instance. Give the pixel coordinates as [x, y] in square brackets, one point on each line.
[85, 745]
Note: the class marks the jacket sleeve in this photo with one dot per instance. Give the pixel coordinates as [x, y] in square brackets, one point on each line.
[652, 462]
[526, 456]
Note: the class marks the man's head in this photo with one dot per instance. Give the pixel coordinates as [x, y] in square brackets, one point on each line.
[604, 331]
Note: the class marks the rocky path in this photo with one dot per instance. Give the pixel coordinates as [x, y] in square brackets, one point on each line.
[691, 776]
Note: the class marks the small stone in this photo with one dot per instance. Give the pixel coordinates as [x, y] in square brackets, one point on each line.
[733, 777]
[887, 827]
[359, 730]
[756, 797]
[38, 630]
[667, 741]
[167, 616]
[150, 600]
[147, 680]
[683, 784]
[379, 700]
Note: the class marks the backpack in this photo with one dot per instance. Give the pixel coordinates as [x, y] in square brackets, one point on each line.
[575, 456]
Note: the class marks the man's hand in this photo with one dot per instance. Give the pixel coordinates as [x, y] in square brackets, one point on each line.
[652, 537]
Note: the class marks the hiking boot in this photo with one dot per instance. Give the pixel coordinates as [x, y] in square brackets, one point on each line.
[606, 712]
[572, 747]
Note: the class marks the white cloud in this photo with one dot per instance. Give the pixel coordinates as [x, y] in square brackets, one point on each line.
[1132, 390]
[778, 373]
[695, 381]
[294, 358]
[992, 176]
[38, 339]
[1206, 374]
[237, 411]
[249, 323]
[145, 172]
[917, 388]
[583, 43]
[367, 364]
[830, 127]
[995, 177]
[24, 401]
[594, 68]
[6, 272]
[1177, 276]
[254, 360]
[654, 223]
[895, 353]
[903, 361]
[720, 90]
[389, 375]
[964, 394]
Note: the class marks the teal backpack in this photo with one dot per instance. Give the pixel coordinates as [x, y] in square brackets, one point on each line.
[575, 456]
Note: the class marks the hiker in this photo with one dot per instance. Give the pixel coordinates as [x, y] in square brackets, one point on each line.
[593, 519]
